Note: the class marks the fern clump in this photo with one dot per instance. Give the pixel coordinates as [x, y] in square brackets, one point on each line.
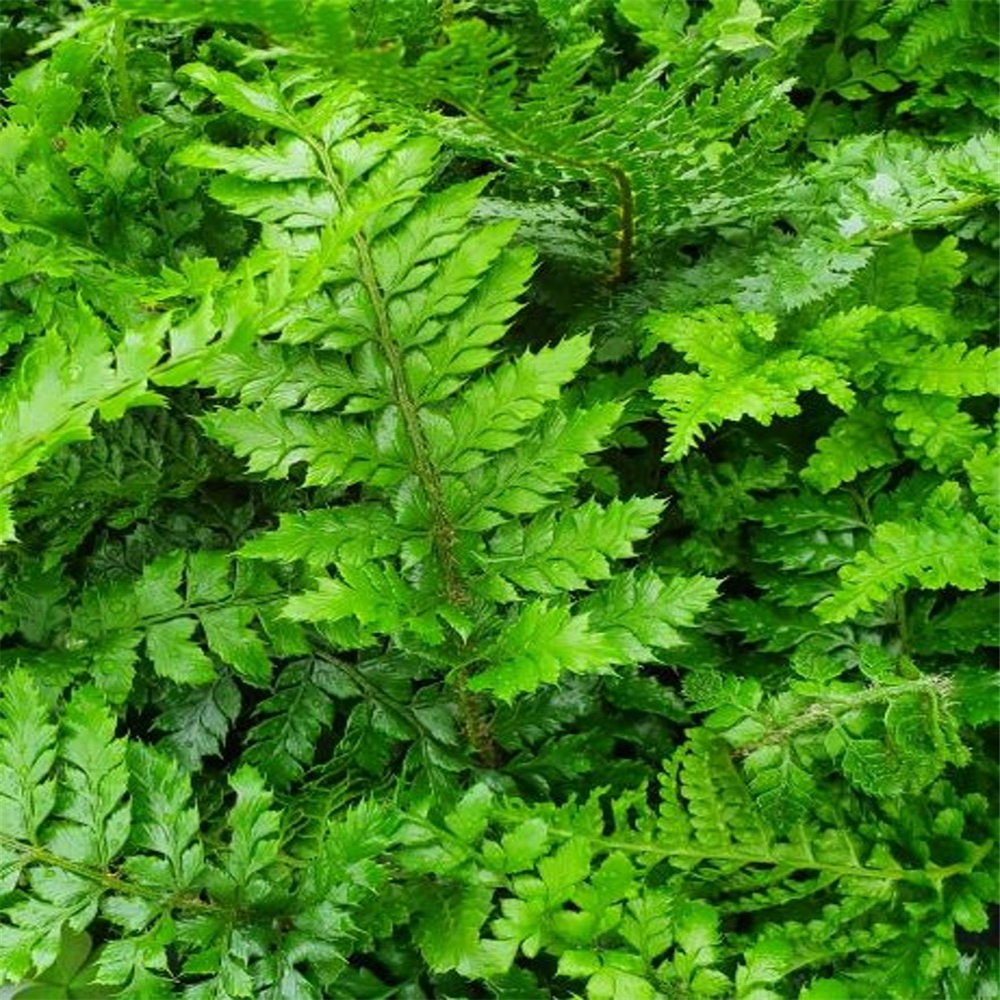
[466, 466]
[499, 500]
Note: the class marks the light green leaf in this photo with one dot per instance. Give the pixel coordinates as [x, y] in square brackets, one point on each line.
[638, 612]
[253, 844]
[234, 643]
[537, 646]
[447, 931]
[556, 553]
[93, 811]
[176, 655]
[27, 756]
[983, 469]
[945, 547]
[335, 536]
[164, 821]
[491, 414]
[858, 441]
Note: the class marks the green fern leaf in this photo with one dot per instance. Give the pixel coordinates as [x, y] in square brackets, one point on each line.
[254, 840]
[524, 481]
[740, 375]
[198, 720]
[373, 594]
[283, 741]
[947, 370]
[273, 441]
[58, 385]
[931, 27]
[175, 656]
[983, 469]
[720, 807]
[491, 414]
[553, 554]
[27, 752]
[89, 826]
[164, 823]
[320, 538]
[970, 623]
[448, 930]
[176, 596]
[94, 820]
[638, 612]
[933, 430]
[541, 642]
[693, 402]
[782, 788]
[944, 547]
[858, 441]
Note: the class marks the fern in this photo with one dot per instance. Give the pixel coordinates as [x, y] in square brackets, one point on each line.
[741, 375]
[112, 620]
[567, 881]
[197, 720]
[981, 469]
[856, 442]
[423, 436]
[94, 380]
[944, 547]
[358, 640]
[121, 837]
[743, 381]
[559, 125]
[934, 430]
[283, 742]
[932, 27]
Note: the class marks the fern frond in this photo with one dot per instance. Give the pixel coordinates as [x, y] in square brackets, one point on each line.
[282, 743]
[945, 547]
[933, 430]
[175, 596]
[738, 377]
[324, 537]
[28, 789]
[165, 826]
[524, 481]
[326, 22]
[712, 495]
[720, 808]
[783, 789]
[640, 612]
[196, 721]
[946, 370]
[60, 382]
[94, 821]
[492, 412]
[552, 554]
[88, 822]
[146, 866]
[906, 186]
[570, 882]
[931, 27]
[540, 643]
[983, 469]
[858, 441]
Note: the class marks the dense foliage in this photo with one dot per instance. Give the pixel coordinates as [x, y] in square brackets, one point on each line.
[500, 499]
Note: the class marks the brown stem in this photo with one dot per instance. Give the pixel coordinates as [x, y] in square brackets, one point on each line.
[474, 723]
[622, 258]
[626, 230]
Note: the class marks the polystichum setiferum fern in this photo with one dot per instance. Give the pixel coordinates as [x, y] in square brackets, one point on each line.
[563, 559]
